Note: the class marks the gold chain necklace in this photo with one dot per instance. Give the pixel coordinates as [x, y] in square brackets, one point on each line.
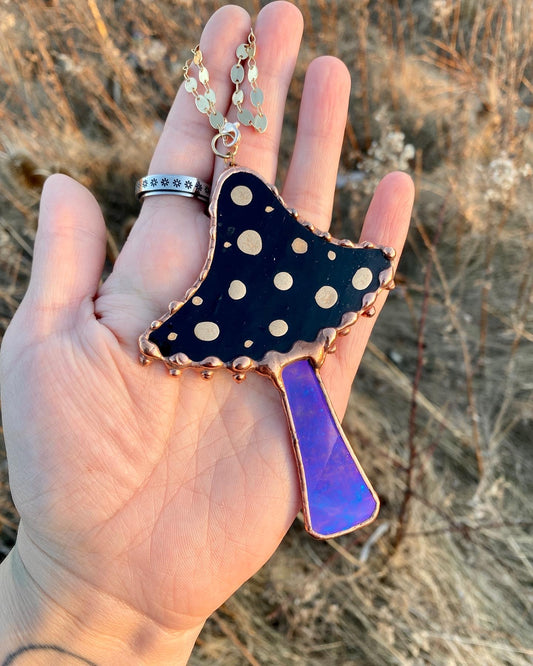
[206, 102]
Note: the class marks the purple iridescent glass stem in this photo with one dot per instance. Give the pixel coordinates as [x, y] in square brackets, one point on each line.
[336, 495]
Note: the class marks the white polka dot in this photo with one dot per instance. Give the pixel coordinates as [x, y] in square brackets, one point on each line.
[283, 281]
[331, 255]
[299, 246]
[227, 244]
[197, 300]
[326, 297]
[206, 331]
[237, 290]
[268, 209]
[241, 195]
[250, 242]
[362, 278]
[172, 336]
[278, 327]
[248, 343]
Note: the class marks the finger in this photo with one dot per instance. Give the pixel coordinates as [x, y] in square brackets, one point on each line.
[310, 183]
[70, 247]
[185, 143]
[386, 224]
[167, 246]
[278, 31]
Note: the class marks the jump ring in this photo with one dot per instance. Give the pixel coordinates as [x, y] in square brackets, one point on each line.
[230, 135]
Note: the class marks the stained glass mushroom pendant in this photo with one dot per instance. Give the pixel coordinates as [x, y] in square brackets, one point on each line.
[272, 297]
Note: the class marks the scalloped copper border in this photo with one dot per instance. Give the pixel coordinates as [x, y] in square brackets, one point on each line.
[272, 362]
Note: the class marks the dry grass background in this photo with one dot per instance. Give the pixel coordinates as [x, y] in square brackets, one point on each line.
[442, 409]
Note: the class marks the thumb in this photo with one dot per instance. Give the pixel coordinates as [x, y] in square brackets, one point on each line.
[70, 247]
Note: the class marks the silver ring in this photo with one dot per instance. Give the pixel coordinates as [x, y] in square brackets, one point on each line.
[168, 183]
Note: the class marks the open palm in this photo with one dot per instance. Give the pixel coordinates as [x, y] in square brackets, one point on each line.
[167, 493]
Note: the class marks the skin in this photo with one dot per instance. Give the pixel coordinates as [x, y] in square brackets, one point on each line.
[144, 499]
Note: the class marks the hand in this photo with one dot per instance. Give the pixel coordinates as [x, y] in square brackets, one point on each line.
[163, 493]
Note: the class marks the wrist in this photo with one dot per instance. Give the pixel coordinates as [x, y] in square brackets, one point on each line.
[51, 608]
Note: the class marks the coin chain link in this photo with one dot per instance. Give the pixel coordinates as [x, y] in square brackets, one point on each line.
[206, 102]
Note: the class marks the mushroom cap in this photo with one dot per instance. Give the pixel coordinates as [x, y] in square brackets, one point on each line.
[269, 284]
